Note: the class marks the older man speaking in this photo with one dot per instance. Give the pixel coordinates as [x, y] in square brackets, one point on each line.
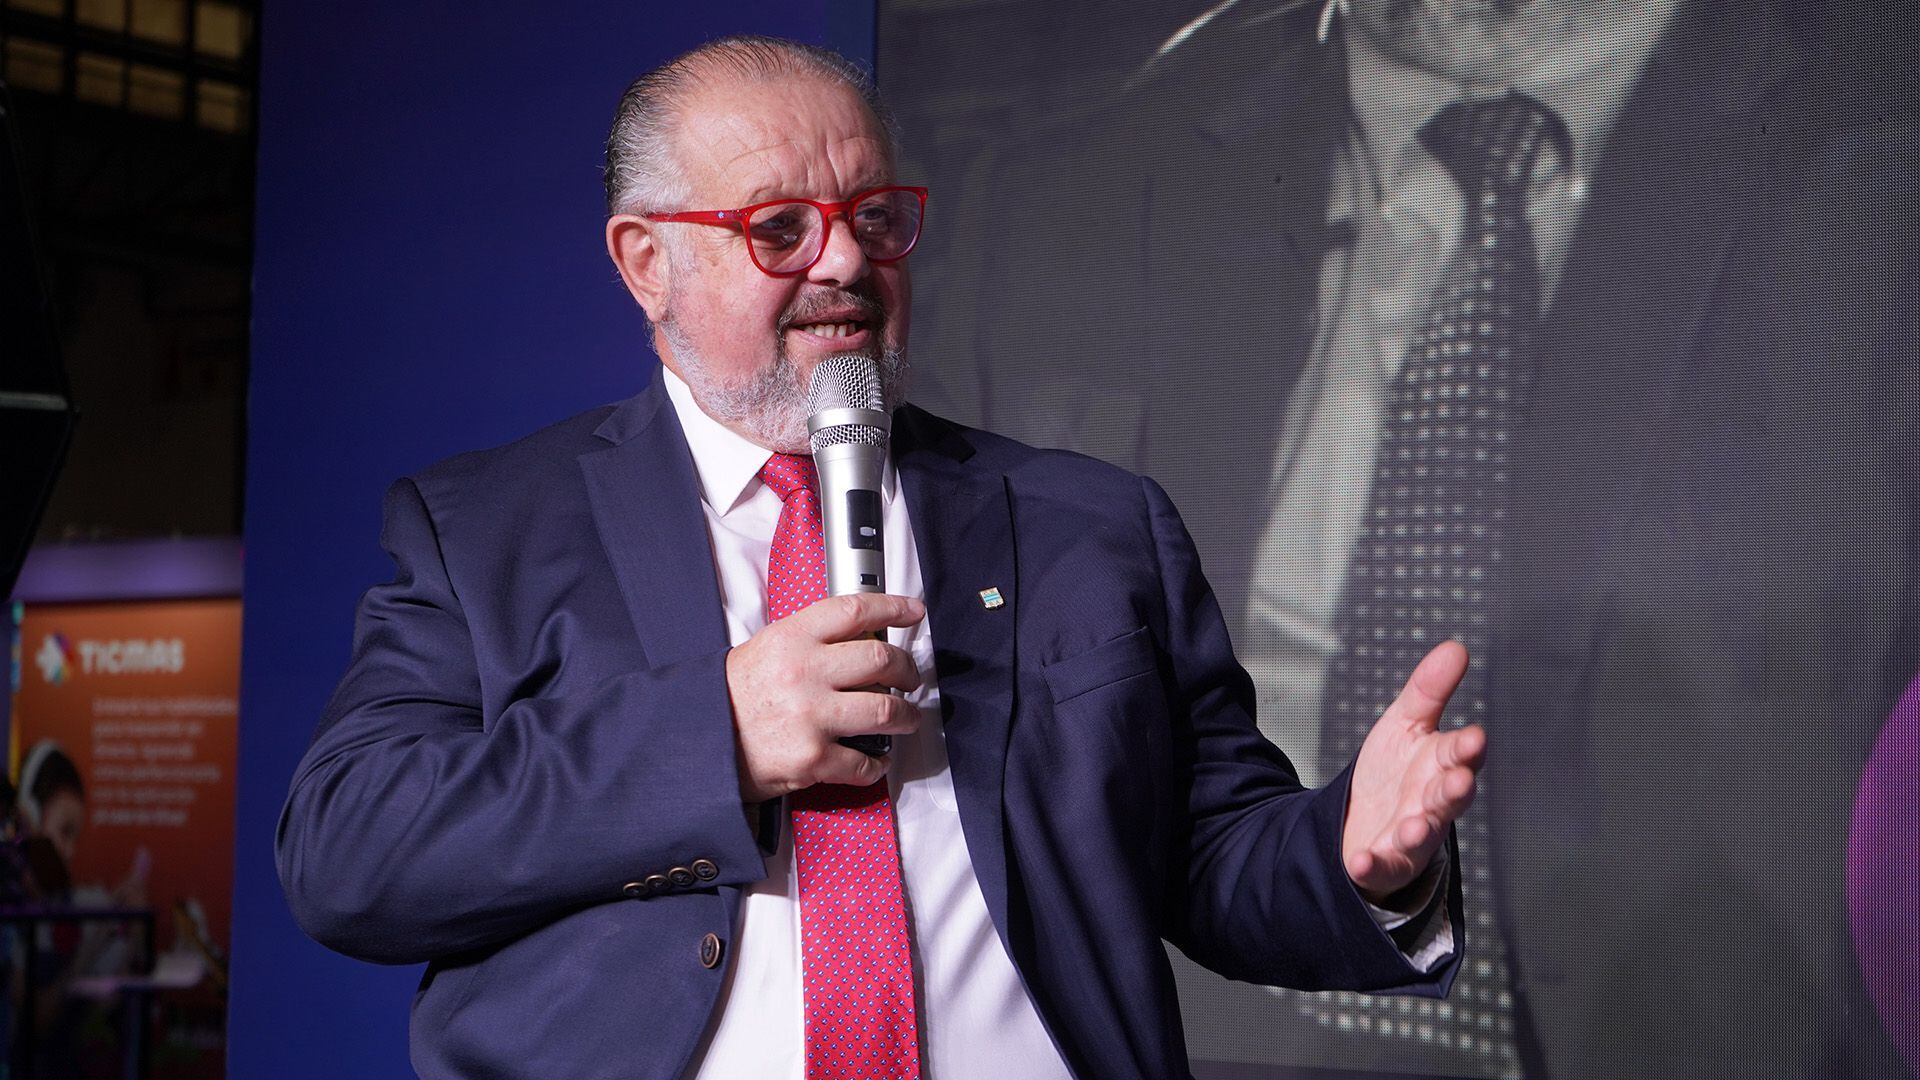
[587, 760]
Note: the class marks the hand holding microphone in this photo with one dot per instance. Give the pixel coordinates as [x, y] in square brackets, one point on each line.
[804, 685]
[810, 692]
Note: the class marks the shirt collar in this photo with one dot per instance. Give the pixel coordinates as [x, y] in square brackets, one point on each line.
[726, 462]
[1391, 101]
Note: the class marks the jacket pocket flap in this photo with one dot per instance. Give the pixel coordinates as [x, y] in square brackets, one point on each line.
[1107, 663]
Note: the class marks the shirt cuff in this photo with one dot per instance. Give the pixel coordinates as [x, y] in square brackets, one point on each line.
[1424, 929]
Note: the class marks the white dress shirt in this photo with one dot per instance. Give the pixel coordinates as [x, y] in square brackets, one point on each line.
[976, 1017]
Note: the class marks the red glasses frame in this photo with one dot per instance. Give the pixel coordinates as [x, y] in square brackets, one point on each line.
[828, 210]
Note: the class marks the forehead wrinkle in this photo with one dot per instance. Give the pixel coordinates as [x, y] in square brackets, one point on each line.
[843, 172]
[769, 145]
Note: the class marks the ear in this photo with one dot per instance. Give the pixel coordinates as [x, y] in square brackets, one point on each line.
[642, 262]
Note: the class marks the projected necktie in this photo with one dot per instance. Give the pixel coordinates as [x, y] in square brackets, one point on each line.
[857, 970]
[1429, 554]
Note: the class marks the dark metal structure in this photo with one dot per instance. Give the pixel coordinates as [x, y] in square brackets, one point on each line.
[134, 124]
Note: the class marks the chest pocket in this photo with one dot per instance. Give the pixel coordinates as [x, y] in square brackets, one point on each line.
[1110, 709]
[1109, 742]
[1125, 657]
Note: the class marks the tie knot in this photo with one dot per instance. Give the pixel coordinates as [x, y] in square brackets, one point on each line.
[788, 473]
[1495, 141]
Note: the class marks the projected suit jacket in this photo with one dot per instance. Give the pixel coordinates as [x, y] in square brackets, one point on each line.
[536, 714]
[1714, 584]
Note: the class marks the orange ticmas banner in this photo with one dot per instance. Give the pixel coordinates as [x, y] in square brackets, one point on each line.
[142, 698]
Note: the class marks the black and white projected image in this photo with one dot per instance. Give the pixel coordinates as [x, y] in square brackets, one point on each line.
[1583, 331]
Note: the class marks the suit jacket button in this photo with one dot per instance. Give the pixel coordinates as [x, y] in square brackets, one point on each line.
[635, 890]
[680, 876]
[710, 951]
[705, 870]
[656, 882]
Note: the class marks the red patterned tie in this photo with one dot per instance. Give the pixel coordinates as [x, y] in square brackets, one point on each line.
[853, 914]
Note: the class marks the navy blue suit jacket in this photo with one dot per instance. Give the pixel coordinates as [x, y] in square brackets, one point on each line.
[537, 714]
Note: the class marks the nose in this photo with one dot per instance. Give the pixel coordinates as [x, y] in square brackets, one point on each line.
[843, 262]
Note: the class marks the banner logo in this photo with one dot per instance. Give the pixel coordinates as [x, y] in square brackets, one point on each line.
[158, 656]
[55, 658]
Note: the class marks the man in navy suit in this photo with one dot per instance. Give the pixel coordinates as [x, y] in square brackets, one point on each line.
[560, 765]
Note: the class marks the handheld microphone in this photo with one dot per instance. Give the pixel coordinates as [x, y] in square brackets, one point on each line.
[848, 425]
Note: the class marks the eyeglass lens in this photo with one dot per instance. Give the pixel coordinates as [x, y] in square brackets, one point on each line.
[788, 236]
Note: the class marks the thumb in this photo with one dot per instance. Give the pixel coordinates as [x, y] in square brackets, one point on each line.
[1432, 682]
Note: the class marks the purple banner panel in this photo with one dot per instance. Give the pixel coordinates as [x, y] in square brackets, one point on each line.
[167, 569]
[1883, 875]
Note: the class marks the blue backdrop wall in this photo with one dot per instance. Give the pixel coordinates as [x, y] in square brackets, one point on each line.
[429, 278]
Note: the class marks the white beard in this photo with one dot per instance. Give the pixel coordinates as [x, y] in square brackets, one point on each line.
[769, 406]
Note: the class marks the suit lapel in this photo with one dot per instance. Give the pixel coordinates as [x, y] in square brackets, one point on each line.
[963, 530]
[1248, 202]
[1680, 176]
[646, 505]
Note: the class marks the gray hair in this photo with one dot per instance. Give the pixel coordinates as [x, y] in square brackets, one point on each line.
[642, 173]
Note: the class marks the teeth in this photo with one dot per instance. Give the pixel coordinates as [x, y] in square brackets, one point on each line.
[832, 330]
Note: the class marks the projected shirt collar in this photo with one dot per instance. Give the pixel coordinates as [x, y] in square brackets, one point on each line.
[1391, 101]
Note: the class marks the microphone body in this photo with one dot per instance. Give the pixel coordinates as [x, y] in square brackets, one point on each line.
[850, 511]
[848, 426]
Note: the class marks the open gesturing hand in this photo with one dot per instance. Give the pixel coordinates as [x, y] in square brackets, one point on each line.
[1411, 781]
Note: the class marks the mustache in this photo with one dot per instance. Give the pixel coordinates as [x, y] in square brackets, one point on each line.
[810, 306]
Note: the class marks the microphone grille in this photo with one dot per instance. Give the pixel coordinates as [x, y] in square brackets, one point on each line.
[846, 382]
[844, 434]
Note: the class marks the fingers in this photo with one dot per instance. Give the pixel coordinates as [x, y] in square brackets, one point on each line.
[845, 765]
[1416, 838]
[1457, 789]
[847, 665]
[1467, 746]
[1459, 756]
[802, 682]
[1447, 795]
[1362, 869]
[1432, 682]
[1404, 846]
[860, 712]
[1397, 857]
[843, 618]
[1388, 868]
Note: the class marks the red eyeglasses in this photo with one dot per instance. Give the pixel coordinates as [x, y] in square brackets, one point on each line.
[787, 236]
